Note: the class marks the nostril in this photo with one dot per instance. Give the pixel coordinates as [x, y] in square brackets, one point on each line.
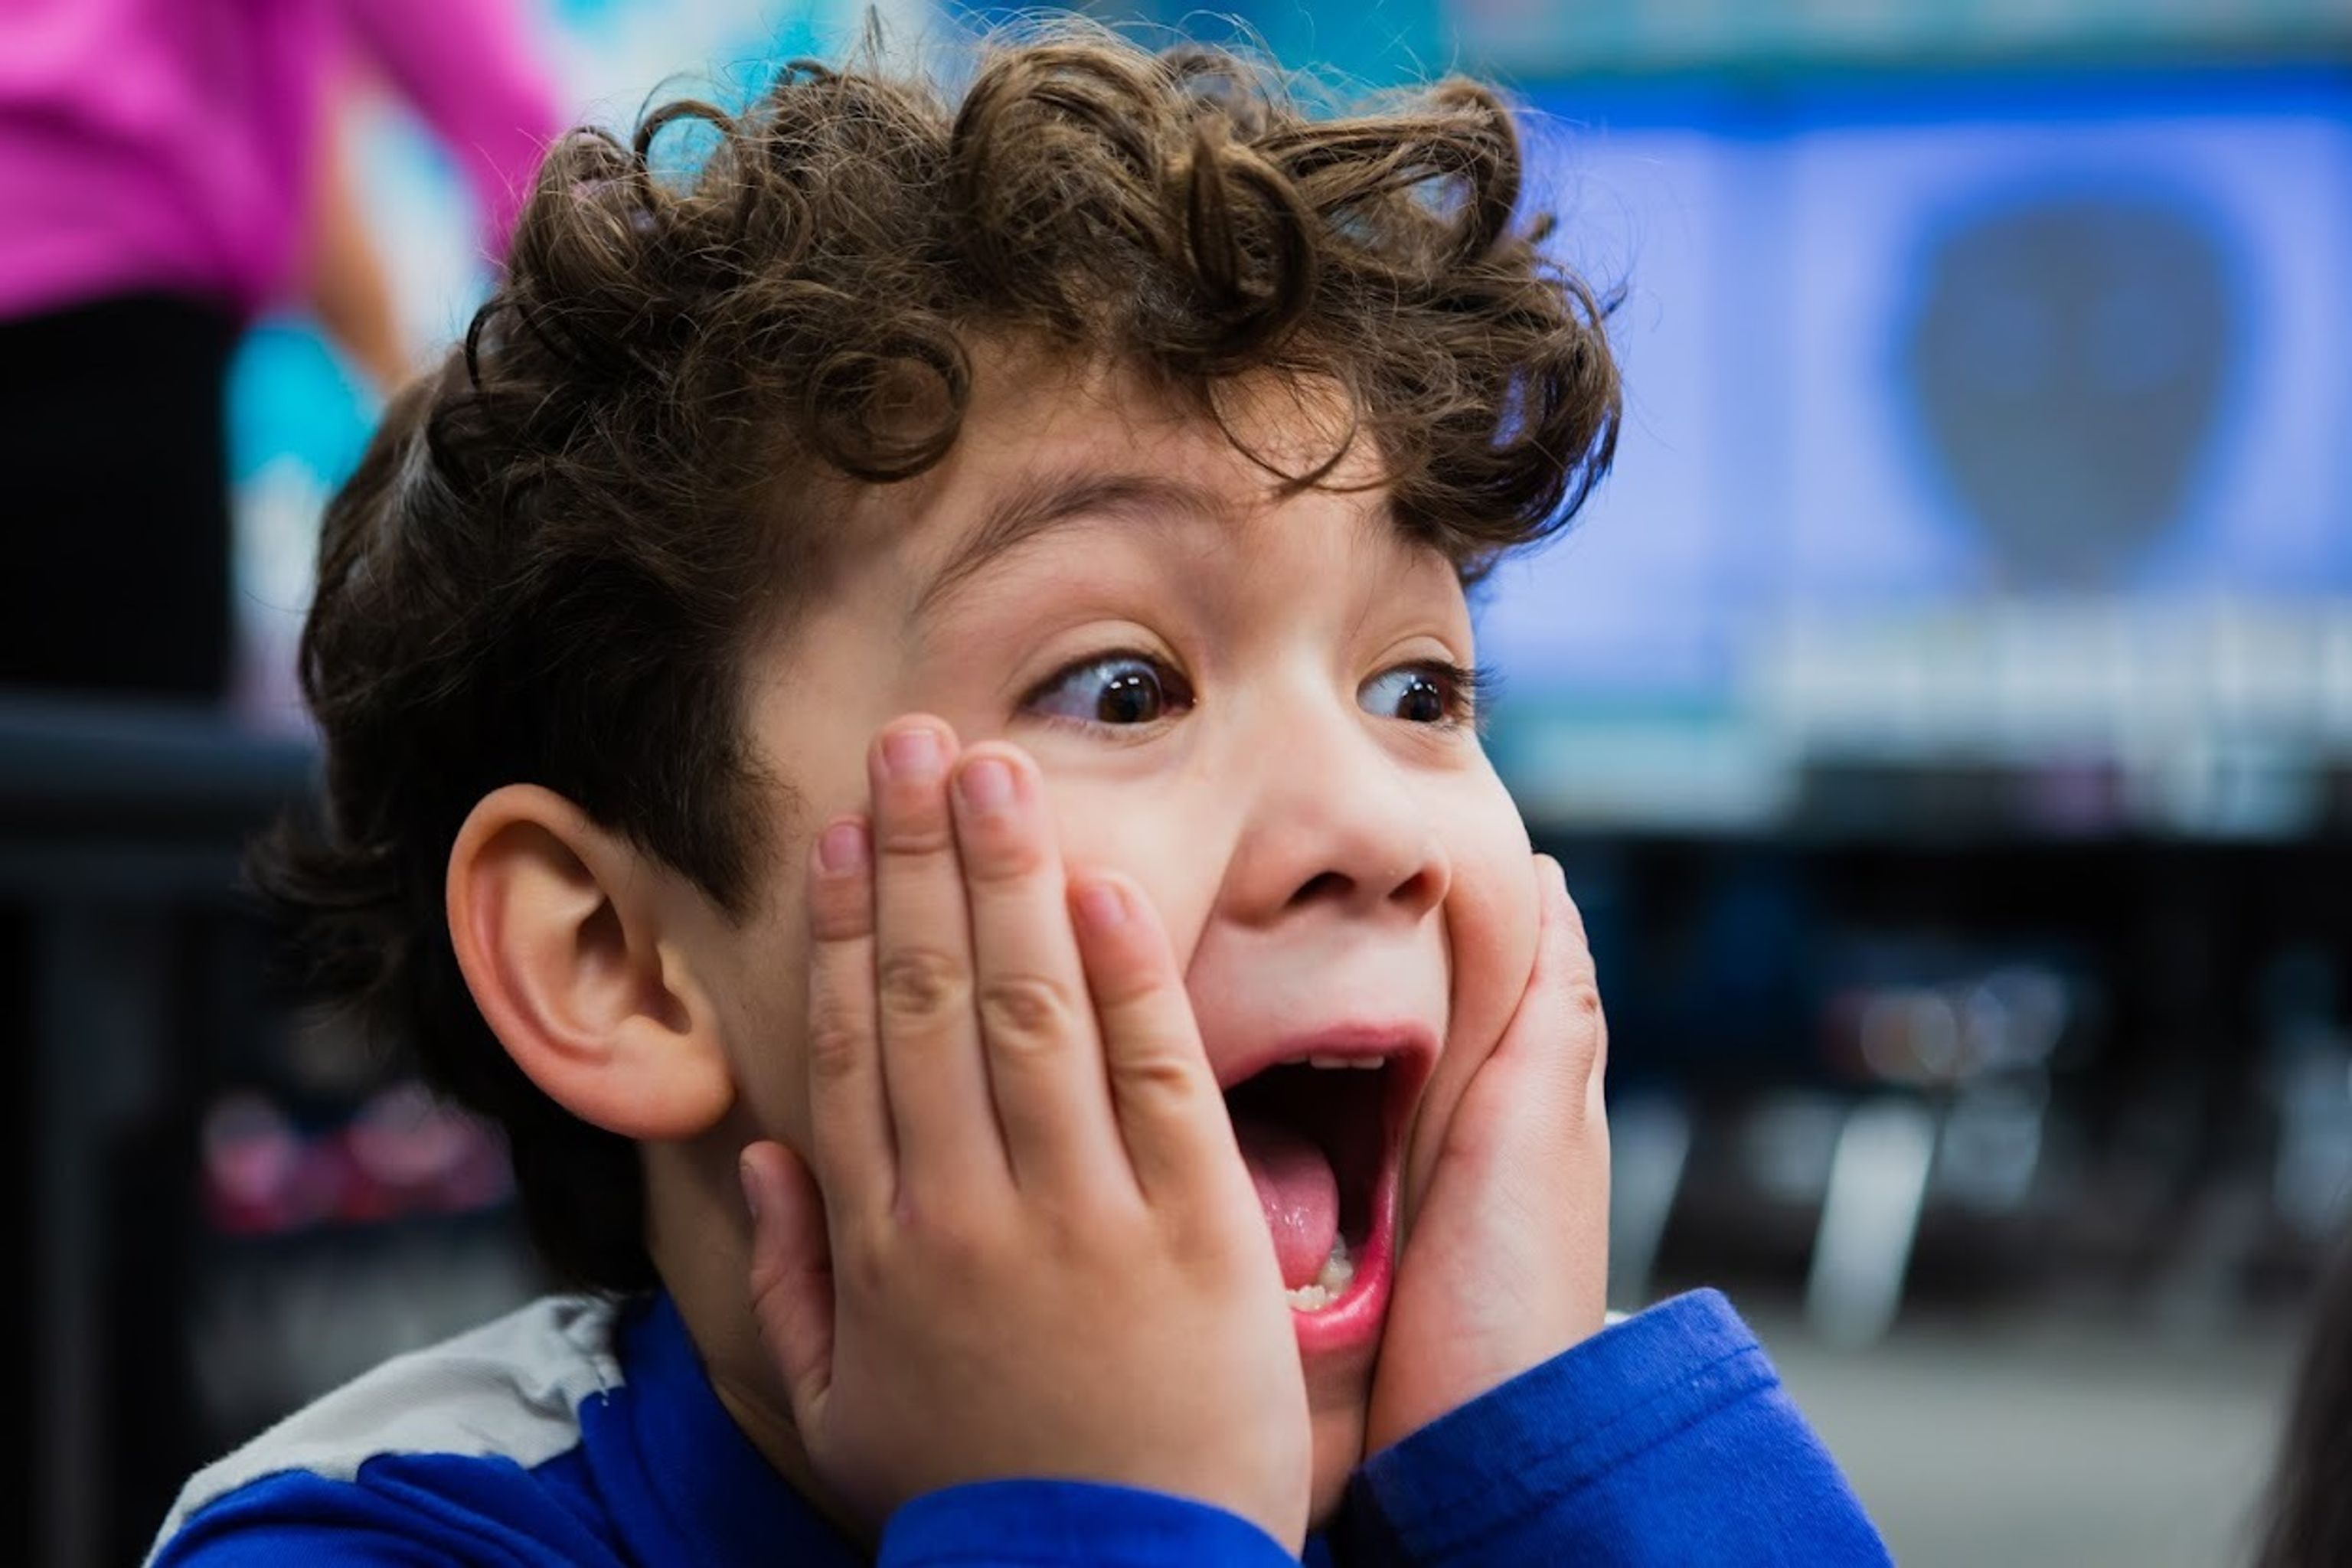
[1424, 890]
[1322, 885]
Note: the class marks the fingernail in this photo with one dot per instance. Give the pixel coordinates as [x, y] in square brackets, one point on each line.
[1101, 906]
[985, 785]
[744, 1173]
[842, 847]
[912, 754]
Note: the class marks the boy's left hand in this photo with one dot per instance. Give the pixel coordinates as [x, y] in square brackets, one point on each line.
[1505, 1264]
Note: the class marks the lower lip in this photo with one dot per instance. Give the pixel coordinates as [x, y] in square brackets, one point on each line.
[1353, 1322]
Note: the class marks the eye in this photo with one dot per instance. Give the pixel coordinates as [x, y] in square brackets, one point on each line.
[1432, 692]
[1120, 689]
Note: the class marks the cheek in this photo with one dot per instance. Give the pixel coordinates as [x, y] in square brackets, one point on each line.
[763, 1012]
[1491, 915]
[762, 1003]
[1151, 838]
[1338, 1448]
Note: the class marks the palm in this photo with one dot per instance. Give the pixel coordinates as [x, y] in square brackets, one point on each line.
[1506, 1261]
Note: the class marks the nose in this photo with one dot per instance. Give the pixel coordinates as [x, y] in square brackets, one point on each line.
[1335, 821]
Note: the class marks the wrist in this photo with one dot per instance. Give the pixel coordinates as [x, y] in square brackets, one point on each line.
[1072, 1524]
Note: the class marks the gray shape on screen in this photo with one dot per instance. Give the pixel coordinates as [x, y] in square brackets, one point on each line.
[2068, 356]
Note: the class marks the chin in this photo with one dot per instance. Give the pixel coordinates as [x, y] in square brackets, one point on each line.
[1338, 1415]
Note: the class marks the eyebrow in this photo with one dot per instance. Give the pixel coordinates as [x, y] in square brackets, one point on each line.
[1042, 502]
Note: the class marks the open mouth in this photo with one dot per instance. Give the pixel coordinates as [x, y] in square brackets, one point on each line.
[1318, 1132]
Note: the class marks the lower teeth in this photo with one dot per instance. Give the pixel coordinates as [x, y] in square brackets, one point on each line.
[1338, 1272]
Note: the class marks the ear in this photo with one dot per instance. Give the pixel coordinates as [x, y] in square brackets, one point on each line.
[567, 937]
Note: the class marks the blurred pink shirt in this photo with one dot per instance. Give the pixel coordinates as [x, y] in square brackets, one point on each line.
[169, 144]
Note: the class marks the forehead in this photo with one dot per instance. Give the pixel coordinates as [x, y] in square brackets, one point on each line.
[1049, 442]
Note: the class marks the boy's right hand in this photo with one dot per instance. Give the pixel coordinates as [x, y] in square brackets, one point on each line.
[1030, 1246]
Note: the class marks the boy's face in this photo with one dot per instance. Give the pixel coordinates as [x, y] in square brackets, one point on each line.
[1236, 698]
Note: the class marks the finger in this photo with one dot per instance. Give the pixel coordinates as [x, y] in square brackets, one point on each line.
[1036, 1022]
[1171, 1115]
[1587, 1022]
[849, 1118]
[931, 1069]
[791, 1274]
[1559, 1034]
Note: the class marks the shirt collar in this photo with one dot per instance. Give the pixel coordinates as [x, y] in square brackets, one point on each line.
[719, 1492]
[721, 1496]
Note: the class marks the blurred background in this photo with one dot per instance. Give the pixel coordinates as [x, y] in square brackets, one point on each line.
[1944, 713]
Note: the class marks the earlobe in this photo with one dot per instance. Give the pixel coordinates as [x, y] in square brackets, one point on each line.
[559, 930]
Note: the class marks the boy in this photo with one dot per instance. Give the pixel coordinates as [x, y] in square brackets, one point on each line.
[905, 723]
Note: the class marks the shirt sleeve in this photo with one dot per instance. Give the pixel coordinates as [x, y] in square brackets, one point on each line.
[469, 68]
[300, 1546]
[1665, 1438]
[412, 1510]
[1071, 1524]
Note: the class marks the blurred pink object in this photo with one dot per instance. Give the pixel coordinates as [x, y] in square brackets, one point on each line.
[169, 144]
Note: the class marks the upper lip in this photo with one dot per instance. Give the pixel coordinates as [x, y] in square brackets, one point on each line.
[1411, 1044]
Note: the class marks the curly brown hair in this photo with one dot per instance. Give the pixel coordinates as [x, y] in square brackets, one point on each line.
[555, 553]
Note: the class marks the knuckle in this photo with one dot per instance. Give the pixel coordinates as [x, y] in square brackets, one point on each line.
[1127, 995]
[1025, 1014]
[920, 983]
[836, 1044]
[862, 1272]
[1131, 1008]
[838, 1054]
[1156, 1080]
[1079, 1222]
[840, 911]
[914, 830]
[998, 853]
[944, 1236]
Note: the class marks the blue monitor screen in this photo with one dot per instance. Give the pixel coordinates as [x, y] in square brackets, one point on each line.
[1963, 414]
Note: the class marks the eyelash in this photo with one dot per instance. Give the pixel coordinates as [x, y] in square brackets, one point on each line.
[1466, 689]
[1174, 688]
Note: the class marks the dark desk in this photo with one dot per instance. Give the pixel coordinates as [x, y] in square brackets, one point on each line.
[116, 822]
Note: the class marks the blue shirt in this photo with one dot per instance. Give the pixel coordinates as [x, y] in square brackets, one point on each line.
[583, 1431]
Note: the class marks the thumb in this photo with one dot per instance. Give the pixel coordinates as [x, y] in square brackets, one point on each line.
[1570, 1033]
[791, 1274]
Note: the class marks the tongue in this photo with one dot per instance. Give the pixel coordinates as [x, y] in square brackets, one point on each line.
[1298, 1193]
